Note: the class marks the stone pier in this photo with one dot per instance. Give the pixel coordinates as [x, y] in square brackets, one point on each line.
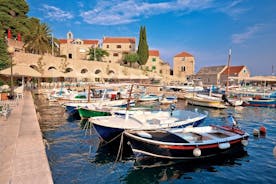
[22, 152]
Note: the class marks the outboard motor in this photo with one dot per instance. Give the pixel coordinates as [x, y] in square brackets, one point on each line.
[225, 99]
[172, 108]
[232, 120]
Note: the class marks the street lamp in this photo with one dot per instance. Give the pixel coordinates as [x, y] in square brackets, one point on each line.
[10, 50]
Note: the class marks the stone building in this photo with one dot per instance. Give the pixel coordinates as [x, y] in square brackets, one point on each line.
[76, 48]
[183, 66]
[210, 75]
[156, 64]
[234, 71]
[218, 75]
[117, 47]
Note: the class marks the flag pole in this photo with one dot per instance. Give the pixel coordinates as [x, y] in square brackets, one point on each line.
[228, 71]
[52, 44]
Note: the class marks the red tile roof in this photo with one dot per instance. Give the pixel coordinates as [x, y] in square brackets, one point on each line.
[95, 42]
[154, 53]
[118, 40]
[184, 54]
[233, 70]
[62, 40]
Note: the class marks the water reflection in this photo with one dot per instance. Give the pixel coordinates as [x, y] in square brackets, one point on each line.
[50, 114]
[77, 155]
[150, 169]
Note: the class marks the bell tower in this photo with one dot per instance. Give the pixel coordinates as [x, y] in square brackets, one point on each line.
[70, 36]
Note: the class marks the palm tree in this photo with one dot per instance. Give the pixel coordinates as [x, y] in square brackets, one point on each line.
[39, 39]
[96, 54]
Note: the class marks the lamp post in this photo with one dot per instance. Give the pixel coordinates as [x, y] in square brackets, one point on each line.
[10, 50]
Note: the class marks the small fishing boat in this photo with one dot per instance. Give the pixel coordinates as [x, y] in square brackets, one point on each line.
[187, 143]
[102, 108]
[194, 99]
[110, 127]
[148, 97]
[168, 100]
[228, 101]
[261, 102]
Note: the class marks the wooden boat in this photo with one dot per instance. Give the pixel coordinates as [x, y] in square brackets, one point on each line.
[193, 99]
[188, 143]
[228, 101]
[102, 108]
[110, 127]
[148, 97]
[261, 102]
[168, 100]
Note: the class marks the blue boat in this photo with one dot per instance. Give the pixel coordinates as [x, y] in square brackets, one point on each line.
[261, 102]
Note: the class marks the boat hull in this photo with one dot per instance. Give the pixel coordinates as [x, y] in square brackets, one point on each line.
[205, 103]
[261, 103]
[180, 152]
[87, 113]
[110, 133]
[189, 146]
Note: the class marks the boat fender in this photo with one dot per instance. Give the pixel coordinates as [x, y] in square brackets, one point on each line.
[197, 152]
[144, 134]
[256, 132]
[224, 145]
[262, 130]
[244, 142]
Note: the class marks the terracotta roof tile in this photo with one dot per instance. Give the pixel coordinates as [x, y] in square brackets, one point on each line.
[154, 53]
[95, 42]
[184, 54]
[211, 70]
[118, 40]
[62, 40]
[234, 70]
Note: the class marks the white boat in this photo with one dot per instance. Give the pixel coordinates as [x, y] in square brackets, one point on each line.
[110, 127]
[148, 97]
[168, 100]
[231, 101]
[193, 99]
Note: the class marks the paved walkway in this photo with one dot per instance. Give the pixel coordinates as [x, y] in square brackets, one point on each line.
[22, 152]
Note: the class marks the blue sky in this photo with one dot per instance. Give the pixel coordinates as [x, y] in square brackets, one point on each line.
[205, 28]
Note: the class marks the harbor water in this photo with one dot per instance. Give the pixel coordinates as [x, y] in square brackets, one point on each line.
[77, 155]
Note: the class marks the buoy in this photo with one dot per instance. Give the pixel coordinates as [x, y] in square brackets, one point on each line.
[197, 152]
[244, 142]
[256, 132]
[274, 151]
[262, 130]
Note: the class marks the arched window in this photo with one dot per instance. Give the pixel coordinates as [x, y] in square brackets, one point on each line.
[98, 71]
[110, 72]
[68, 70]
[84, 70]
[51, 67]
[34, 67]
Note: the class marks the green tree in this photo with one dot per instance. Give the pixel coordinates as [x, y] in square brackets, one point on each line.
[97, 54]
[4, 57]
[39, 39]
[131, 58]
[13, 15]
[143, 49]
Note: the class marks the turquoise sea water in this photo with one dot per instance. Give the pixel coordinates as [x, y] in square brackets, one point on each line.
[78, 156]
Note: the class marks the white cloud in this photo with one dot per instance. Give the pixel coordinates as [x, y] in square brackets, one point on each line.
[54, 13]
[242, 37]
[233, 9]
[115, 12]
